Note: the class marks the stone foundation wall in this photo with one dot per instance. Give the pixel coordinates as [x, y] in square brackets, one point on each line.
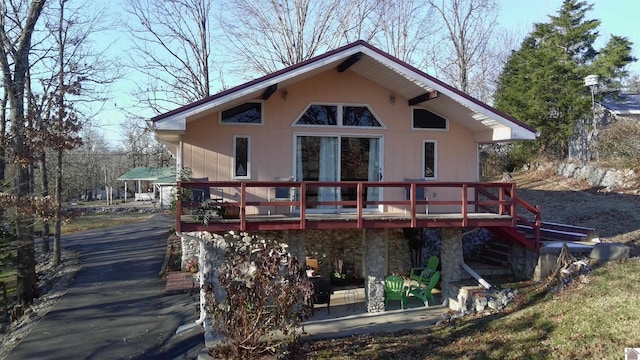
[330, 245]
[399, 254]
[523, 261]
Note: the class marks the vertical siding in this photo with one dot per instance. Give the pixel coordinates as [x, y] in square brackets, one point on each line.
[208, 145]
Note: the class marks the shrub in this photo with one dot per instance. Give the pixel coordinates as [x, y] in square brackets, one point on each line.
[621, 143]
[265, 300]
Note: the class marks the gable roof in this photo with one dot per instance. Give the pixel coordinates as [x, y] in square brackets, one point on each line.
[624, 104]
[373, 64]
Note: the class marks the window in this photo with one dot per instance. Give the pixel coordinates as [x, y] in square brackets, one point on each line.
[241, 157]
[425, 119]
[429, 160]
[338, 115]
[248, 113]
[319, 115]
[358, 116]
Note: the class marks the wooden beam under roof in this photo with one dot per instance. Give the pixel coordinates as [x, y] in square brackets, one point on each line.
[269, 91]
[424, 97]
[349, 61]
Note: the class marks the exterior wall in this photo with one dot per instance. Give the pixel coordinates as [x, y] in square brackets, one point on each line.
[208, 145]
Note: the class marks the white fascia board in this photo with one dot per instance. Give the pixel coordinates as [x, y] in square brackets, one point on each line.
[180, 118]
[518, 132]
[626, 112]
[172, 123]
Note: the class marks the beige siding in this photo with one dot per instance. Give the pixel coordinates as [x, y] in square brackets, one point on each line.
[208, 145]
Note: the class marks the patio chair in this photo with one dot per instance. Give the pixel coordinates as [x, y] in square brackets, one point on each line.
[421, 275]
[394, 289]
[424, 292]
[420, 194]
[321, 293]
[280, 194]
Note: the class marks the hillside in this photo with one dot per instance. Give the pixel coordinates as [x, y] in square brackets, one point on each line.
[615, 216]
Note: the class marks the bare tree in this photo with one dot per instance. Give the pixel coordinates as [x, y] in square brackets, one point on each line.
[464, 50]
[360, 20]
[14, 51]
[269, 35]
[404, 28]
[140, 147]
[72, 78]
[172, 49]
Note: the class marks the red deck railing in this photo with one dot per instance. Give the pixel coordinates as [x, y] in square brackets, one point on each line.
[463, 200]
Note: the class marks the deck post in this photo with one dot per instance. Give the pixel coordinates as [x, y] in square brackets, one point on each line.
[375, 251]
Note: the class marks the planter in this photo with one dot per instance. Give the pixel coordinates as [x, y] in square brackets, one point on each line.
[230, 212]
[336, 281]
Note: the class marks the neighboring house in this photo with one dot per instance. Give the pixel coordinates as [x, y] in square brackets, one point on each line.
[159, 184]
[346, 133]
[622, 107]
[608, 111]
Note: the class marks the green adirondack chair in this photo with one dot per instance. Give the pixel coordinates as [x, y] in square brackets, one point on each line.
[394, 290]
[421, 275]
[424, 292]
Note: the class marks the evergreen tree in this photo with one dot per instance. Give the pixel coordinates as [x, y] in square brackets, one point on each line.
[542, 83]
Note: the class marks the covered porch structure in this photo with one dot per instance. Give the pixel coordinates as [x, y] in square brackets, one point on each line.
[162, 180]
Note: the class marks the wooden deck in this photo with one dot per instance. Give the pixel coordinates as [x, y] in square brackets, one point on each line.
[345, 221]
[495, 206]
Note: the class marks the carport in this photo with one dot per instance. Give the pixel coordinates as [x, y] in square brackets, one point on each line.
[163, 180]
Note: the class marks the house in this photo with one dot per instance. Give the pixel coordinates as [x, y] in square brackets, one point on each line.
[611, 109]
[622, 107]
[364, 146]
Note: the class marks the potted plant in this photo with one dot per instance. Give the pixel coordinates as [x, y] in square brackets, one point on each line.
[338, 278]
[192, 266]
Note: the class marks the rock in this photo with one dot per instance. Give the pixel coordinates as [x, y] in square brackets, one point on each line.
[493, 304]
[609, 252]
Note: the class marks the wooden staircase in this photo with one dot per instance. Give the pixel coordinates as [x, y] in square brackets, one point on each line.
[524, 234]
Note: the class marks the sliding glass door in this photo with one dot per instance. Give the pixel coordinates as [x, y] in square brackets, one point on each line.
[338, 158]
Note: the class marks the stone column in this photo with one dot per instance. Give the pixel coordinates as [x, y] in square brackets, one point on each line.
[375, 263]
[212, 248]
[451, 259]
[297, 245]
[189, 248]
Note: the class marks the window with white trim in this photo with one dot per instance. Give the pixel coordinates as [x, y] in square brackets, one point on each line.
[247, 113]
[429, 159]
[339, 115]
[241, 157]
[426, 120]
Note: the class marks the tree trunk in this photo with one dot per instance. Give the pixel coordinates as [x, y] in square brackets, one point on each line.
[26, 269]
[45, 192]
[14, 86]
[3, 143]
[58, 229]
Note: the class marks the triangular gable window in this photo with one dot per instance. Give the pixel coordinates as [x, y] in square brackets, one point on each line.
[425, 119]
[339, 115]
[247, 113]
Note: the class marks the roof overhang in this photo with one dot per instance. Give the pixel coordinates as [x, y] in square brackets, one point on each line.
[623, 105]
[404, 80]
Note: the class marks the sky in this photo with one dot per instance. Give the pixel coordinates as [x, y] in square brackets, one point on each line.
[618, 17]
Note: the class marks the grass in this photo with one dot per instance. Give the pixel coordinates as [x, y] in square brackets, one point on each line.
[96, 221]
[596, 320]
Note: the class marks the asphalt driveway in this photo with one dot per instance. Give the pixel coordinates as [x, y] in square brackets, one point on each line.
[116, 307]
